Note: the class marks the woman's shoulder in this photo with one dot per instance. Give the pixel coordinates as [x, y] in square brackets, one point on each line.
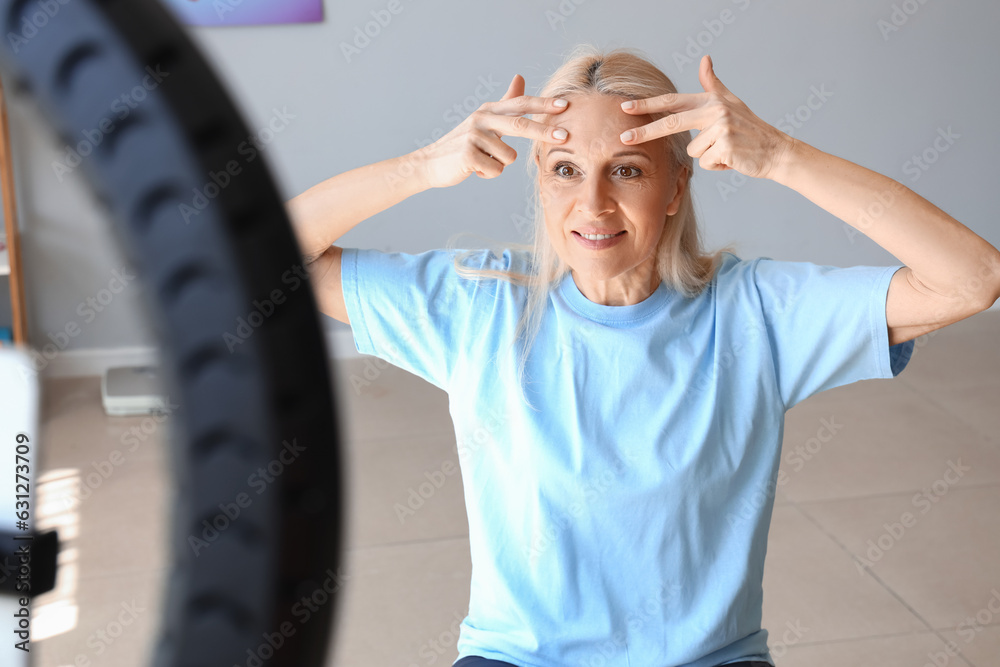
[731, 265]
[503, 259]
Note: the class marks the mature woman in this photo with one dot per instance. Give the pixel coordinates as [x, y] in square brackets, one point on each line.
[618, 395]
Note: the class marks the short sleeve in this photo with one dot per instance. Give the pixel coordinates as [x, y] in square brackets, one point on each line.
[406, 309]
[826, 325]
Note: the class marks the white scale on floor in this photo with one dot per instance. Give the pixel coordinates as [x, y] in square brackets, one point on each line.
[132, 390]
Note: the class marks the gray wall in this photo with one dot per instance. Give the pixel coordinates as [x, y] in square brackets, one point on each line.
[891, 92]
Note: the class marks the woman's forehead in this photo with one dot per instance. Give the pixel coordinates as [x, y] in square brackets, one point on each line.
[597, 114]
[595, 123]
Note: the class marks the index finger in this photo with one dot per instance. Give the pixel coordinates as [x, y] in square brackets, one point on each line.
[672, 124]
[667, 102]
[524, 104]
[519, 126]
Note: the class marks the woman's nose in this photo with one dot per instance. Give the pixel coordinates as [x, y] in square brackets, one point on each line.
[594, 198]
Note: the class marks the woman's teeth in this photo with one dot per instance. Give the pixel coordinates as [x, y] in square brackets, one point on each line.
[598, 237]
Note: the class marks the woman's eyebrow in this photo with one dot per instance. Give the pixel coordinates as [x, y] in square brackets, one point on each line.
[618, 154]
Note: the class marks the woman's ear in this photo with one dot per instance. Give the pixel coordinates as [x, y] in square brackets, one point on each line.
[683, 176]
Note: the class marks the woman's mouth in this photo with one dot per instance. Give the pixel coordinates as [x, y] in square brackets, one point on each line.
[598, 241]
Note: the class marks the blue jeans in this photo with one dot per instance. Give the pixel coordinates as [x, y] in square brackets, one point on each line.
[476, 661]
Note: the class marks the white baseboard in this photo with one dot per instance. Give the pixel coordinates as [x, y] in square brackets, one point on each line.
[95, 361]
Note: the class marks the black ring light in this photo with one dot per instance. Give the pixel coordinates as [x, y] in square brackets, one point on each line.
[240, 403]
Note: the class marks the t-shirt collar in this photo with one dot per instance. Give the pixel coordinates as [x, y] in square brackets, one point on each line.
[618, 315]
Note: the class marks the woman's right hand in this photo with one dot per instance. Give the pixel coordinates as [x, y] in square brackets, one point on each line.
[474, 145]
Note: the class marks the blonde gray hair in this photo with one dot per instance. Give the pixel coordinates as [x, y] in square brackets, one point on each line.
[681, 262]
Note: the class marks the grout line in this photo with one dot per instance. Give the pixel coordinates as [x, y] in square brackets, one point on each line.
[402, 437]
[882, 583]
[890, 494]
[404, 543]
[921, 391]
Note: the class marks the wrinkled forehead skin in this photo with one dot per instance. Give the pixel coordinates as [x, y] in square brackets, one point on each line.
[595, 123]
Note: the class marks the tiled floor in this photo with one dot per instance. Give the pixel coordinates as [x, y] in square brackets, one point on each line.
[846, 583]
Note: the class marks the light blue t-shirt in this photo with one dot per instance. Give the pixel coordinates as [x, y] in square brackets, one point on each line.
[625, 521]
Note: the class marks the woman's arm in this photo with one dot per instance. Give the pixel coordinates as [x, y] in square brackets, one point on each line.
[331, 208]
[944, 257]
[950, 273]
[328, 210]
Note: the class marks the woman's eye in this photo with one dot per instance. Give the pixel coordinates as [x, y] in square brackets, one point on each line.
[630, 172]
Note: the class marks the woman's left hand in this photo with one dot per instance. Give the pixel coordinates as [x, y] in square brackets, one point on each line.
[730, 135]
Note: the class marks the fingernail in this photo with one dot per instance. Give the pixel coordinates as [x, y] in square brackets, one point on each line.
[630, 104]
[628, 135]
[560, 103]
[559, 134]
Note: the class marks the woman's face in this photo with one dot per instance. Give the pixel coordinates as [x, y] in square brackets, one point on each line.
[593, 183]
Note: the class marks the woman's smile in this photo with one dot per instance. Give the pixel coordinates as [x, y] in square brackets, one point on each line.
[598, 241]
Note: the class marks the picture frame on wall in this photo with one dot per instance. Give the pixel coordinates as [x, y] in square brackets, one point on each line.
[246, 12]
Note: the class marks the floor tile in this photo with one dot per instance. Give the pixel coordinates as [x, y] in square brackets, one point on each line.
[388, 402]
[77, 431]
[402, 604]
[973, 404]
[959, 354]
[978, 644]
[115, 524]
[401, 490]
[913, 650]
[811, 583]
[893, 442]
[110, 622]
[942, 558]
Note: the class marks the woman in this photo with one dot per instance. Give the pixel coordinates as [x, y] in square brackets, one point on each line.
[620, 468]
